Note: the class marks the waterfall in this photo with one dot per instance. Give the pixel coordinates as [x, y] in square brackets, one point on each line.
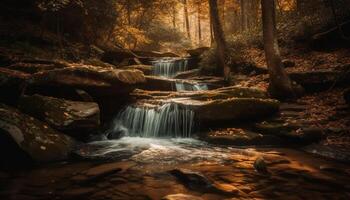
[181, 86]
[169, 67]
[168, 120]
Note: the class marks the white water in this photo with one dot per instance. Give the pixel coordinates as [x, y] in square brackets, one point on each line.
[160, 151]
[169, 67]
[168, 120]
[180, 86]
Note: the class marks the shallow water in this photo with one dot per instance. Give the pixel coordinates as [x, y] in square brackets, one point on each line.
[163, 151]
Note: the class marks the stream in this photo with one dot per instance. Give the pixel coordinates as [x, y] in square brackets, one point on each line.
[157, 154]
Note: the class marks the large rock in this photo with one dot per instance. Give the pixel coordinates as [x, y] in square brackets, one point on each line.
[221, 93]
[25, 137]
[12, 84]
[322, 79]
[34, 66]
[146, 69]
[71, 117]
[230, 109]
[88, 77]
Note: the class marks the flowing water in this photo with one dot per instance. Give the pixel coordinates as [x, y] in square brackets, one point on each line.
[181, 86]
[154, 140]
[169, 67]
[168, 120]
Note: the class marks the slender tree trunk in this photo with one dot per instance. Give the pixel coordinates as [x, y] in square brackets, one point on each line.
[199, 23]
[211, 30]
[219, 39]
[244, 17]
[187, 21]
[280, 84]
[174, 18]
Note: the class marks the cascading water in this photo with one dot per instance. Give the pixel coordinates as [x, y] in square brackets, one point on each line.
[169, 67]
[168, 120]
[181, 86]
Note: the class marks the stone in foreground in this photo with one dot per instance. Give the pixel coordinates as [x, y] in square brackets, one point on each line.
[72, 117]
[26, 137]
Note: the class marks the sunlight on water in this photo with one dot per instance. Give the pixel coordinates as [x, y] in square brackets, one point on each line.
[159, 150]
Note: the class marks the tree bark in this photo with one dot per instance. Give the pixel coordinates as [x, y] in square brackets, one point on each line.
[174, 18]
[219, 39]
[244, 17]
[199, 24]
[187, 21]
[280, 85]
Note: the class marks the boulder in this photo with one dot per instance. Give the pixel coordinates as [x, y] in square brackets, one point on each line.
[146, 69]
[25, 137]
[224, 110]
[72, 117]
[90, 78]
[12, 84]
[322, 79]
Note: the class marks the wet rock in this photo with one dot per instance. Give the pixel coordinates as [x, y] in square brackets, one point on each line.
[103, 170]
[12, 84]
[181, 197]
[240, 137]
[187, 74]
[73, 117]
[29, 138]
[192, 180]
[146, 69]
[198, 182]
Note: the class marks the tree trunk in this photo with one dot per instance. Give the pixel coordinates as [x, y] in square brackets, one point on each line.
[244, 17]
[187, 21]
[199, 24]
[280, 84]
[174, 18]
[219, 39]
